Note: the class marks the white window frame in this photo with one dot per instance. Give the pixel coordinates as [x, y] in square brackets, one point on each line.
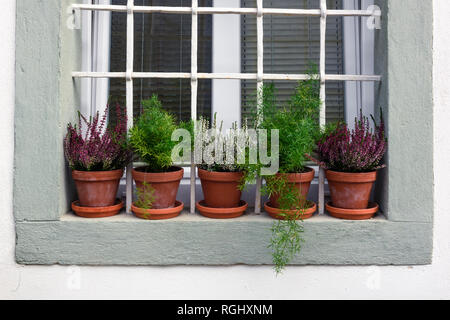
[260, 76]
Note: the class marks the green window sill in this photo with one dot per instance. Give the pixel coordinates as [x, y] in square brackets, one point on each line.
[195, 240]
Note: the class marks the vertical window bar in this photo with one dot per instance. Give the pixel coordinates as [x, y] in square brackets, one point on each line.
[260, 84]
[129, 93]
[323, 109]
[194, 90]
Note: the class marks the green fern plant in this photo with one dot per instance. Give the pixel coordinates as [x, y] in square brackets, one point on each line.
[145, 196]
[151, 136]
[298, 125]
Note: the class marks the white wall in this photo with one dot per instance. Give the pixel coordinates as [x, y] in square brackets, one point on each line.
[238, 281]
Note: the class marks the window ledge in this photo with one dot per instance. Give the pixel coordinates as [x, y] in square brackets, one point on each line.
[195, 240]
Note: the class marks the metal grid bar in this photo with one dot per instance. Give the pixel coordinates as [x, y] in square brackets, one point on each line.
[129, 94]
[260, 77]
[194, 90]
[212, 10]
[229, 76]
[259, 83]
[323, 32]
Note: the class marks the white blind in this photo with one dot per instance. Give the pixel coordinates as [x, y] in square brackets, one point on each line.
[290, 45]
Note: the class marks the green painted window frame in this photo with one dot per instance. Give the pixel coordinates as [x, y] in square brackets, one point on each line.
[46, 96]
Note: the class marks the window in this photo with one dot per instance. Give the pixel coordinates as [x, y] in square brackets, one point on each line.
[283, 48]
[162, 43]
[291, 45]
[289, 42]
[47, 97]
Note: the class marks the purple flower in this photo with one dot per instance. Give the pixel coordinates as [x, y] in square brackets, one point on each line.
[357, 150]
[99, 148]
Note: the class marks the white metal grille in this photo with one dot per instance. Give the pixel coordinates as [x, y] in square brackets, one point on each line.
[260, 76]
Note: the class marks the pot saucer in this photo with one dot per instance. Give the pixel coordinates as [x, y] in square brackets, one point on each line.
[279, 214]
[97, 212]
[158, 214]
[221, 213]
[353, 214]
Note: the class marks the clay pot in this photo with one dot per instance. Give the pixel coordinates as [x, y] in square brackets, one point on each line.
[279, 214]
[353, 214]
[221, 213]
[164, 184]
[97, 189]
[302, 182]
[350, 190]
[221, 189]
[158, 214]
[97, 212]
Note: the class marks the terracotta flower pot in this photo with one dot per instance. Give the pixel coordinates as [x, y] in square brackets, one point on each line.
[158, 214]
[350, 190]
[222, 213]
[277, 213]
[97, 212]
[221, 189]
[164, 185]
[353, 214]
[302, 183]
[97, 189]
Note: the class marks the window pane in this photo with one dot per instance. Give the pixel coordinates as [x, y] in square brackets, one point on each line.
[162, 43]
[291, 44]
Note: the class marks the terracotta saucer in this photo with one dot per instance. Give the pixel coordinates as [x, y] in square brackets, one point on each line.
[278, 213]
[221, 213]
[353, 214]
[97, 212]
[158, 214]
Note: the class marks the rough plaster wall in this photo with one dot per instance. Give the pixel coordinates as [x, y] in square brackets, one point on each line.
[228, 282]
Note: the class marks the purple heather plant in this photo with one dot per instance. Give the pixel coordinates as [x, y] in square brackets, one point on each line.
[97, 149]
[358, 150]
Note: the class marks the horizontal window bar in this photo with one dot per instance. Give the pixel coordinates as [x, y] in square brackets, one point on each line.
[233, 76]
[213, 10]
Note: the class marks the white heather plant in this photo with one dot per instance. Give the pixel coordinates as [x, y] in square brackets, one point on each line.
[219, 150]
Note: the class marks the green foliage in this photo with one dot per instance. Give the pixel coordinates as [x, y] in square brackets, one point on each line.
[298, 124]
[145, 196]
[289, 197]
[151, 136]
[285, 242]
[299, 129]
[286, 237]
